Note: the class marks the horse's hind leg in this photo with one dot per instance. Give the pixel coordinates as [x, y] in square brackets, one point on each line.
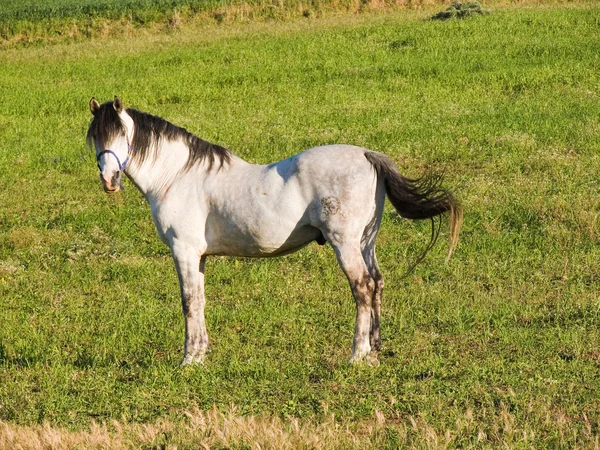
[373, 268]
[362, 284]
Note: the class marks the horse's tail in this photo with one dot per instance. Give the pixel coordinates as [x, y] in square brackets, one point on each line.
[422, 198]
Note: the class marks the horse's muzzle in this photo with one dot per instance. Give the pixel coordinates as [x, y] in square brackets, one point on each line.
[113, 184]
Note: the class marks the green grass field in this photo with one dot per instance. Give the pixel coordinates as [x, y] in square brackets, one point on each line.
[499, 347]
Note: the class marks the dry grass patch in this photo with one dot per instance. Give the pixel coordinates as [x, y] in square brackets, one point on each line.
[198, 429]
[482, 427]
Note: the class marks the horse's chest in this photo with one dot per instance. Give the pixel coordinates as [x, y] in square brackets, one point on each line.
[177, 221]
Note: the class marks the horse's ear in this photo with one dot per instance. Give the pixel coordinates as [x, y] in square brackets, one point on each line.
[118, 104]
[94, 106]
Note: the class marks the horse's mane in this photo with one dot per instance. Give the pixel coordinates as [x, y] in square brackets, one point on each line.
[149, 131]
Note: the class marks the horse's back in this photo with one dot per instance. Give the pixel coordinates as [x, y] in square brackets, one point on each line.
[335, 158]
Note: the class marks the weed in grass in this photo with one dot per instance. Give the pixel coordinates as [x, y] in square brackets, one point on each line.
[460, 10]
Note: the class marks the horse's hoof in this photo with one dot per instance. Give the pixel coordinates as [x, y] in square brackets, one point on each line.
[370, 359]
[190, 360]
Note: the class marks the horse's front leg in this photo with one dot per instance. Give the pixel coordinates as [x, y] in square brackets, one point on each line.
[190, 270]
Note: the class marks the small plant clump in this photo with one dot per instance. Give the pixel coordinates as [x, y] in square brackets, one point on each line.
[460, 10]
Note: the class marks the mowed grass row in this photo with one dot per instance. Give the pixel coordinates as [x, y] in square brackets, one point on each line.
[25, 23]
[38, 23]
[499, 346]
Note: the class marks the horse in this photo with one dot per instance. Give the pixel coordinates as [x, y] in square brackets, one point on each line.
[207, 201]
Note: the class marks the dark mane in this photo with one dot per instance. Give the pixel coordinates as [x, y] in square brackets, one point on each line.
[105, 126]
[149, 131]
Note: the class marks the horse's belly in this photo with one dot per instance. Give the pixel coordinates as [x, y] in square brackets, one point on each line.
[263, 243]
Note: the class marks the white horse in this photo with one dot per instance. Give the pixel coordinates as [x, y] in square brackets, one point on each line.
[206, 201]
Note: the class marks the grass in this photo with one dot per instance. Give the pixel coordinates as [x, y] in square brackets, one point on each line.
[37, 23]
[498, 347]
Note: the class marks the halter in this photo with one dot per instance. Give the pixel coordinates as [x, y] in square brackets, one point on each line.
[123, 165]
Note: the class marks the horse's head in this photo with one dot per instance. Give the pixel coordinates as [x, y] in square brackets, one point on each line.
[111, 133]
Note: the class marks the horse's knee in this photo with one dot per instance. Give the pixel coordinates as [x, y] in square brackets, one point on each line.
[363, 290]
[364, 284]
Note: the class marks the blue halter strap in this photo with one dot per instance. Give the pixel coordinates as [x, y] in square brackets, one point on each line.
[123, 165]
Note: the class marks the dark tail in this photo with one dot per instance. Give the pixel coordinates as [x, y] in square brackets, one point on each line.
[418, 199]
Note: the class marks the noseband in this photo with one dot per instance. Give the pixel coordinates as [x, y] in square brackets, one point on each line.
[123, 165]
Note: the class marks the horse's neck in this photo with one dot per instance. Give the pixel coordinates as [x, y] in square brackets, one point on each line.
[156, 175]
[158, 172]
